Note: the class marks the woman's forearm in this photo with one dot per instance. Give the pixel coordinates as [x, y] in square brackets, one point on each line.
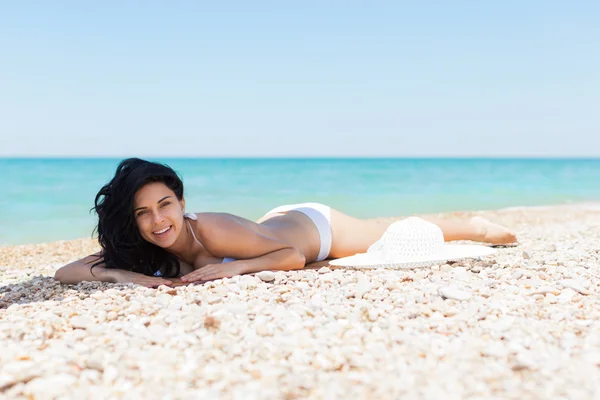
[286, 259]
[81, 270]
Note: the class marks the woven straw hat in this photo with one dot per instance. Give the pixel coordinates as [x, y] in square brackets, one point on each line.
[411, 243]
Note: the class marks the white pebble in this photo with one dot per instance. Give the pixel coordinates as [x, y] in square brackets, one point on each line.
[449, 292]
[362, 287]
[546, 289]
[81, 322]
[460, 273]
[266, 276]
[517, 275]
[576, 286]
[49, 387]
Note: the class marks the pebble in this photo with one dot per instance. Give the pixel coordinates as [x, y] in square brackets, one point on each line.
[460, 273]
[495, 350]
[247, 282]
[373, 315]
[213, 299]
[362, 287]
[576, 286]
[449, 292]
[81, 322]
[551, 298]
[50, 387]
[266, 276]
[380, 333]
[518, 274]
[524, 361]
[443, 268]
[546, 289]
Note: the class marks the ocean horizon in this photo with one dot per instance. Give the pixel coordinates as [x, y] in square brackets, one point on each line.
[48, 199]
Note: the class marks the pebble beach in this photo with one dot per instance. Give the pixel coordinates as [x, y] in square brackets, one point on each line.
[523, 323]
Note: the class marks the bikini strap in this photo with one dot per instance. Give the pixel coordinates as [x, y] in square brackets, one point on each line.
[194, 217]
[190, 216]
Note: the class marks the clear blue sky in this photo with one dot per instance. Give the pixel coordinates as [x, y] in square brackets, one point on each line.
[303, 78]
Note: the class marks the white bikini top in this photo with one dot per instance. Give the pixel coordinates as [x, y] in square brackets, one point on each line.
[195, 218]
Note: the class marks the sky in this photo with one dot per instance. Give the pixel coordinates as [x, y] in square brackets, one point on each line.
[300, 79]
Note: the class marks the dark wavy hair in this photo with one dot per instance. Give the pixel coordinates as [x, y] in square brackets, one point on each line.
[122, 244]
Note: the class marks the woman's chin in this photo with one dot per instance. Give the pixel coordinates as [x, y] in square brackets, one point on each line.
[165, 244]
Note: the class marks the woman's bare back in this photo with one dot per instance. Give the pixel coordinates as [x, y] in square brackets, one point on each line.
[293, 228]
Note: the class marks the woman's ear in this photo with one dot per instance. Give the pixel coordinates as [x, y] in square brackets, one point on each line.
[182, 202]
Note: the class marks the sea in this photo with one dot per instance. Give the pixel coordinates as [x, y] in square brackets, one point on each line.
[49, 199]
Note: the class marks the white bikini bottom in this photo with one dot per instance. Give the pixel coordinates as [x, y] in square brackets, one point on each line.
[319, 214]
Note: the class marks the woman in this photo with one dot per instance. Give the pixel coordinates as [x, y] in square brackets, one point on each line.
[147, 237]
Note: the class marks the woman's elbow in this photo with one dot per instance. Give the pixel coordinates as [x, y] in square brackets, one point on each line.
[61, 274]
[297, 260]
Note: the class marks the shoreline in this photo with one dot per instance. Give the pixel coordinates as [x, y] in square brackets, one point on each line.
[522, 323]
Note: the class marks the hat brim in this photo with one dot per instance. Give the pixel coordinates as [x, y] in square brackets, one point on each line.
[450, 252]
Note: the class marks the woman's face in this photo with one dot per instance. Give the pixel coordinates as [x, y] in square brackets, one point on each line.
[159, 214]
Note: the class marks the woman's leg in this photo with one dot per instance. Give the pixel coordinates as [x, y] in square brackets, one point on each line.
[477, 229]
[353, 235]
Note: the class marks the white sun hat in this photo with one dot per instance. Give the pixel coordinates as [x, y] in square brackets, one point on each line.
[411, 243]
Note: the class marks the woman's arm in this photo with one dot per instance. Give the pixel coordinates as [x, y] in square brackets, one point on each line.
[81, 270]
[318, 264]
[283, 260]
[224, 236]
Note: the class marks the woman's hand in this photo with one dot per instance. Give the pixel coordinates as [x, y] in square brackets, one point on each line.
[213, 271]
[122, 276]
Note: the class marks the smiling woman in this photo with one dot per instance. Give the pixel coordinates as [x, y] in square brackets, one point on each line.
[163, 213]
[148, 238]
[126, 211]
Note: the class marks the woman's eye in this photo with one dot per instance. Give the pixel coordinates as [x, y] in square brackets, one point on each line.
[146, 211]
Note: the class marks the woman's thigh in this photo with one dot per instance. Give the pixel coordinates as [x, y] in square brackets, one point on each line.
[350, 235]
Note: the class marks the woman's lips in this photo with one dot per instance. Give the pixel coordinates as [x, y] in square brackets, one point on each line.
[163, 232]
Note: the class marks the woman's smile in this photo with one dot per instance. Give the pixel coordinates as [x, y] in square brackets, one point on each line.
[161, 233]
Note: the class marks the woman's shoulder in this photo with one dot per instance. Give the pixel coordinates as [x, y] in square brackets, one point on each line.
[220, 218]
[204, 218]
[207, 223]
[214, 230]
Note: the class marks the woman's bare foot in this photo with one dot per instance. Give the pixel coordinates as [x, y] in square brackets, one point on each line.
[492, 233]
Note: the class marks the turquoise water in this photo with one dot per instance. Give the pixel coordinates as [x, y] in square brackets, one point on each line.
[49, 199]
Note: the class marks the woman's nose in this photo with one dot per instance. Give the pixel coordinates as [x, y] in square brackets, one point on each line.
[157, 216]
